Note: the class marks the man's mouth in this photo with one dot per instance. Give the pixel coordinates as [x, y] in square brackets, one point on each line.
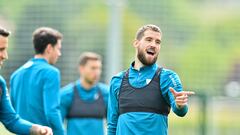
[150, 52]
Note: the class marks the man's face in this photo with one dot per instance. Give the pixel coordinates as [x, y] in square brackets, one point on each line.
[91, 71]
[55, 52]
[3, 49]
[148, 47]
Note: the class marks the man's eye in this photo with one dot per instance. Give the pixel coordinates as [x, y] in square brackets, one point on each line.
[148, 39]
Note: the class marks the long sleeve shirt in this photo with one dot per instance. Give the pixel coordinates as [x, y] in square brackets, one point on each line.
[35, 94]
[82, 126]
[8, 116]
[142, 123]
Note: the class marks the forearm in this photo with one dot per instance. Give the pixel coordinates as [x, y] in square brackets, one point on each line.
[51, 99]
[10, 119]
[55, 122]
[112, 115]
[113, 112]
[54, 118]
[19, 126]
[112, 122]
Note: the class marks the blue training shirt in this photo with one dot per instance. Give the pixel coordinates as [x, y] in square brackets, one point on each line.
[8, 116]
[142, 123]
[35, 95]
[82, 126]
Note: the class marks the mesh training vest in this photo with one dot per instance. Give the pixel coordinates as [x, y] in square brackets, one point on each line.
[145, 99]
[87, 109]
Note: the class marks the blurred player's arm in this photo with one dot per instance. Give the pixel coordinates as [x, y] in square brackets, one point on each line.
[51, 101]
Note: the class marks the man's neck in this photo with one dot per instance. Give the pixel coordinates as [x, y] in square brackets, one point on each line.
[137, 64]
[41, 56]
[85, 84]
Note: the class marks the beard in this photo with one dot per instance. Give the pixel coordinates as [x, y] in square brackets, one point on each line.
[144, 60]
[90, 81]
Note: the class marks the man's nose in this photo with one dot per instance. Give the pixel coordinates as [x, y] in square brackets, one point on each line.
[153, 44]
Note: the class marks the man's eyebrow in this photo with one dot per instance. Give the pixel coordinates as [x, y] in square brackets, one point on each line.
[159, 40]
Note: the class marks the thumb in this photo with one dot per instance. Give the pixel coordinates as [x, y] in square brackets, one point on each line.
[43, 131]
[173, 91]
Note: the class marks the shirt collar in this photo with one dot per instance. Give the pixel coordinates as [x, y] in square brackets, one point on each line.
[39, 60]
[151, 67]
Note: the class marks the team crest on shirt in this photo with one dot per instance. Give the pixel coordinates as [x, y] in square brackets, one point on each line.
[96, 96]
[148, 81]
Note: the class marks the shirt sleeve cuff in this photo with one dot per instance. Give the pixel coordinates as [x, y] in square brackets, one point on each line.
[180, 111]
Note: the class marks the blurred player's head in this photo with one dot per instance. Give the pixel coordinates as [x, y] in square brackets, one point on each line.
[47, 42]
[90, 67]
[147, 43]
[3, 45]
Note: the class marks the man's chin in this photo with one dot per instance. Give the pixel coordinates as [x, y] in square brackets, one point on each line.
[90, 81]
[147, 59]
[52, 63]
[149, 62]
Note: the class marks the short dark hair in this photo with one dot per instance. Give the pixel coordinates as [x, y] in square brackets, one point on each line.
[44, 36]
[140, 32]
[86, 56]
[4, 32]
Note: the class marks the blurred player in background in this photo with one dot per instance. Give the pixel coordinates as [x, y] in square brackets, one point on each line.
[84, 102]
[34, 87]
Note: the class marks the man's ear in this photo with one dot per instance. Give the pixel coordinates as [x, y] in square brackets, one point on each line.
[48, 49]
[80, 69]
[135, 43]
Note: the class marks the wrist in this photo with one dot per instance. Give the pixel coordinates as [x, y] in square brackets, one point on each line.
[34, 129]
[180, 106]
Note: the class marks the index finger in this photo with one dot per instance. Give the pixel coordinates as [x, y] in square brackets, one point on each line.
[188, 92]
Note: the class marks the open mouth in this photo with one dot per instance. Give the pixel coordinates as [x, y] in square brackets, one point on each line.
[150, 52]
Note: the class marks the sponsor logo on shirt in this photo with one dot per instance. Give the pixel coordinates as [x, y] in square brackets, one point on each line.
[96, 96]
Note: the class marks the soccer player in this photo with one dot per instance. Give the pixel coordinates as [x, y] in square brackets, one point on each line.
[140, 97]
[35, 86]
[84, 102]
[8, 116]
